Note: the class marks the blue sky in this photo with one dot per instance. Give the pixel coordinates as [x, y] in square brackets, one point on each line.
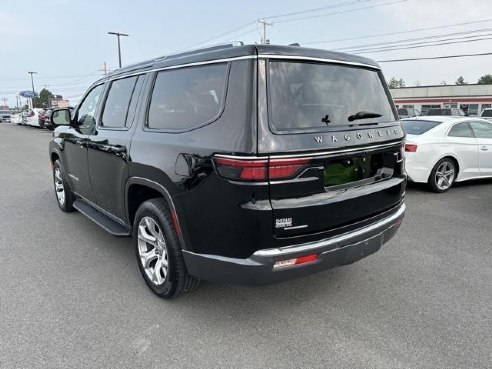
[66, 41]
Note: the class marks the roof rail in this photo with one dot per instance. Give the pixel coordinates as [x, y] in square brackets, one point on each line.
[202, 50]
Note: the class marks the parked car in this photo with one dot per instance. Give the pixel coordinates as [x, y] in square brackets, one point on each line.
[486, 114]
[408, 113]
[442, 150]
[33, 117]
[5, 116]
[218, 177]
[42, 117]
[446, 112]
[16, 118]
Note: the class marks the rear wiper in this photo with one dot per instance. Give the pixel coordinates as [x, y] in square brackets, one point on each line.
[363, 115]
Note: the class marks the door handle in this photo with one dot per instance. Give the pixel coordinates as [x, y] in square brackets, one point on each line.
[484, 148]
[118, 150]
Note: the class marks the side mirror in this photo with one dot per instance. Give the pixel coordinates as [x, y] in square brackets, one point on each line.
[61, 117]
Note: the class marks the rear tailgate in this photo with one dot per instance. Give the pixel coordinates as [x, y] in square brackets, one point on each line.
[333, 142]
[335, 190]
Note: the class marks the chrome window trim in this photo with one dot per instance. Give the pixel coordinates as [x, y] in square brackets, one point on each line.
[245, 57]
[323, 60]
[317, 154]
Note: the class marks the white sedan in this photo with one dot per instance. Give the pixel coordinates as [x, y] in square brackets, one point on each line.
[441, 150]
[33, 117]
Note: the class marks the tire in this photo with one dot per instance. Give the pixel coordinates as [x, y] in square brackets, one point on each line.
[158, 252]
[443, 175]
[63, 194]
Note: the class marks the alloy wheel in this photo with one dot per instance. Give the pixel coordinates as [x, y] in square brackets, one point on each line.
[59, 187]
[152, 250]
[445, 174]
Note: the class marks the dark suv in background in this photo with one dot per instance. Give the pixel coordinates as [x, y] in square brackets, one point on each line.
[240, 164]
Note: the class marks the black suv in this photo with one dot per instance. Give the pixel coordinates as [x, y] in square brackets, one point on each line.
[240, 164]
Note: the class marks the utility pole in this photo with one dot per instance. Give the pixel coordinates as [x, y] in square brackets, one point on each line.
[264, 39]
[32, 83]
[118, 34]
[104, 69]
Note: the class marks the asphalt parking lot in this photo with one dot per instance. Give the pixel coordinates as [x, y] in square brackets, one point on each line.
[71, 295]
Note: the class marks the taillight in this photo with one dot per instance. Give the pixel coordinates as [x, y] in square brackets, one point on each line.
[410, 148]
[242, 169]
[260, 169]
[281, 168]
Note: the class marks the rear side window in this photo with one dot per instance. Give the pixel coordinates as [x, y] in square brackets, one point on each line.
[402, 112]
[487, 113]
[418, 127]
[188, 97]
[306, 95]
[461, 130]
[118, 102]
[482, 130]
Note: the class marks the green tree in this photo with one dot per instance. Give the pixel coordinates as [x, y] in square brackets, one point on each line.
[461, 81]
[43, 101]
[485, 80]
[395, 83]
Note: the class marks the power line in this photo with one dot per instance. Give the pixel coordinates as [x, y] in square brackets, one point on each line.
[420, 45]
[346, 3]
[341, 12]
[433, 58]
[219, 36]
[403, 41]
[399, 32]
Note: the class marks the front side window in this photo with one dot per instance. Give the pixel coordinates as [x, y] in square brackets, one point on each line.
[487, 113]
[187, 97]
[87, 110]
[316, 96]
[482, 130]
[117, 103]
[461, 130]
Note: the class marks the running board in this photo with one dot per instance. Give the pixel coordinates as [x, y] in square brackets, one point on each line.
[112, 226]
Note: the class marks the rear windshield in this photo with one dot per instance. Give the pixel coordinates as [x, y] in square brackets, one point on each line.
[417, 127]
[487, 113]
[305, 96]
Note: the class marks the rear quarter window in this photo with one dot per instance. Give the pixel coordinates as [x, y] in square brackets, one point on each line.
[187, 98]
[418, 127]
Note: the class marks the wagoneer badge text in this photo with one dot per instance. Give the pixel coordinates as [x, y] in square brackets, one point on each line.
[359, 135]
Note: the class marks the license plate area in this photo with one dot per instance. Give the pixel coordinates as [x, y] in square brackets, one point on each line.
[358, 169]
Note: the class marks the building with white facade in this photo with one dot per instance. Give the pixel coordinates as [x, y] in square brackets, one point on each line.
[471, 98]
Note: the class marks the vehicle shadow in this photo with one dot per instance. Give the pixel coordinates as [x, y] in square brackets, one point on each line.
[477, 183]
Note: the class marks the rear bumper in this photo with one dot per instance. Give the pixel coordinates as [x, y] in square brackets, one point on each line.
[258, 269]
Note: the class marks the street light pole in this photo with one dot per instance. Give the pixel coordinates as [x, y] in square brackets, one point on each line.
[32, 83]
[118, 34]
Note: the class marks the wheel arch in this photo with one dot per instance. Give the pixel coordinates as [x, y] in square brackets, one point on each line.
[454, 159]
[150, 189]
[54, 155]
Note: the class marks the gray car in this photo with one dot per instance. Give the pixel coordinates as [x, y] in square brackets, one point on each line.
[5, 116]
